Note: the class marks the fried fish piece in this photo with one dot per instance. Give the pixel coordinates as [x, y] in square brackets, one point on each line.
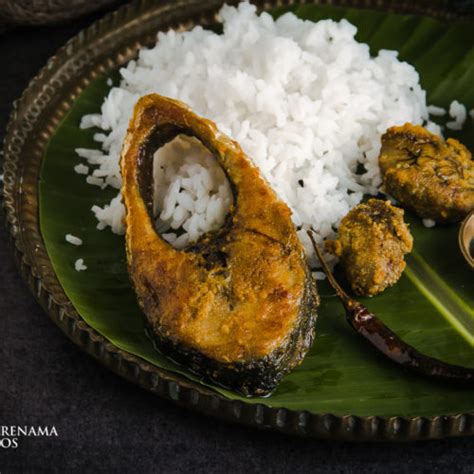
[373, 240]
[238, 307]
[423, 172]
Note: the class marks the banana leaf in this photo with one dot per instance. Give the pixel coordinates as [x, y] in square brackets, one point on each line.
[431, 306]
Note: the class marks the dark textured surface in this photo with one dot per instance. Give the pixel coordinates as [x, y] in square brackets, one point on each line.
[42, 12]
[108, 425]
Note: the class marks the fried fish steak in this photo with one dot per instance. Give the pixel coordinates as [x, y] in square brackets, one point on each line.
[423, 172]
[238, 307]
[373, 240]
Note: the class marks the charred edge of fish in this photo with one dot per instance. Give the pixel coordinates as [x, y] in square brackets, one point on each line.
[258, 377]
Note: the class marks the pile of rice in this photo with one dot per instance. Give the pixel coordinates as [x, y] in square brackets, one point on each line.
[305, 100]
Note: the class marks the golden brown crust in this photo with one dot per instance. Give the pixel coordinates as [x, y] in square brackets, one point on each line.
[372, 242]
[423, 172]
[238, 295]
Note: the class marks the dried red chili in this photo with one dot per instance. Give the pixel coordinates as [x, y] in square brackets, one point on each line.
[388, 343]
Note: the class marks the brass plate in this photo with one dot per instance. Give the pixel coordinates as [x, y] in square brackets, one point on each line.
[104, 46]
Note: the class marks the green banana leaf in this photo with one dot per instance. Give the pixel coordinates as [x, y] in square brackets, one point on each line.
[431, 306]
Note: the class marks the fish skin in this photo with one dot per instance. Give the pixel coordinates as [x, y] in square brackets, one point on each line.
[238, 307]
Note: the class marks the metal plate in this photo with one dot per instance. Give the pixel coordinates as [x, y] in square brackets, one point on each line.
[104, 46]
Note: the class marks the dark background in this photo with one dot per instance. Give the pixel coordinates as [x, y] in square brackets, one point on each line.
[108, 425]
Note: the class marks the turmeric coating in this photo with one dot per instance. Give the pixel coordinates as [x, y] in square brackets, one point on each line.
[238, 307]
[373, 239]
[423, 172]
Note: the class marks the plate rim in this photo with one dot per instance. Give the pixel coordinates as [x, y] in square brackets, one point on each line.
[84, 56]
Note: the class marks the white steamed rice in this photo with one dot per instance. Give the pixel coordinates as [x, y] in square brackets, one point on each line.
[459, 113]
[72, 239]
[305, 100]
[79, 265]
